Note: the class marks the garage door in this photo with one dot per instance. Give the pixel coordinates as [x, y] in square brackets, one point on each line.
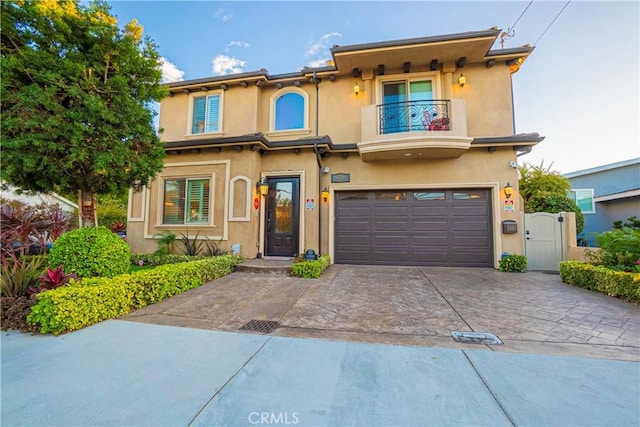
[414, 227]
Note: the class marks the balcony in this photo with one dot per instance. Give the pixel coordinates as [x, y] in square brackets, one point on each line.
[415, 129]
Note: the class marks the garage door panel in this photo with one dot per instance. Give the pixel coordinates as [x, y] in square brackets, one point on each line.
[352, 226]
[418, 241]
[353, 240]
[461, 225]
[470, 211]
[425, 227]
[391, 240]
[353, 211]
[433, 225]
[390, 225]
[429, 211]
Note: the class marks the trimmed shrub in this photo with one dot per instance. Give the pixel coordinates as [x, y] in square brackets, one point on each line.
[513, 263]
[310, 269]
[157, 259]
[91, 252]
[601, 279]
[96, 299]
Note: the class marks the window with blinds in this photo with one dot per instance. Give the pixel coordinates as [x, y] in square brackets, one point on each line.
[186, 201]
[206, 114]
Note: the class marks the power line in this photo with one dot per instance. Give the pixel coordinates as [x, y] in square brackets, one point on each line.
[554, 20]
[525, 9]
[506, 35]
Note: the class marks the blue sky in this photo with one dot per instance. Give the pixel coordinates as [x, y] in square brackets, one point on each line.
[579, 88]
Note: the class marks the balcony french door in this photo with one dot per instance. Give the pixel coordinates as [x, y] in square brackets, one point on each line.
[400, 99]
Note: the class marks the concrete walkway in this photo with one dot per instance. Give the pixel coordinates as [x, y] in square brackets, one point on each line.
[530, 312]
[122, 373]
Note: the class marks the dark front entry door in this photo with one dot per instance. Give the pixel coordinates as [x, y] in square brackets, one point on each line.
[282, 216]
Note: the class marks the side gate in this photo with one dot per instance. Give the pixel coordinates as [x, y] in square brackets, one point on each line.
[545, 240]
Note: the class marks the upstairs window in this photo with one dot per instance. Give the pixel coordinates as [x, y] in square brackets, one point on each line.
[206, 114]
[186, 201]
[584, 199]
[289, 110]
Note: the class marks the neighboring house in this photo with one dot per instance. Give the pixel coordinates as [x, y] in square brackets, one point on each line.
[606, 194]
[396, 152]
[10, 192]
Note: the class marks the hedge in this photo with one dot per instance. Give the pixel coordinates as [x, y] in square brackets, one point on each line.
[153, 259]
[601, 279]
[93, 300]
[310, 269]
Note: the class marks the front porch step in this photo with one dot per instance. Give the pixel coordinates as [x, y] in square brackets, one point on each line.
[265, 266]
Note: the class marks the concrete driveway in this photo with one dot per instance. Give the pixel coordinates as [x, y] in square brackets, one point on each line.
[530, 312]
[143, 370]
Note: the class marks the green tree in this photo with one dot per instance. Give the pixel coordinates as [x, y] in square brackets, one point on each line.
[76, 92]
[544, 190]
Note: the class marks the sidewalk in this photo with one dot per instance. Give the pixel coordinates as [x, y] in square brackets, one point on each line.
[126, 373]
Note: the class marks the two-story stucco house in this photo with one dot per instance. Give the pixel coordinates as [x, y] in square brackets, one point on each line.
[396, 152]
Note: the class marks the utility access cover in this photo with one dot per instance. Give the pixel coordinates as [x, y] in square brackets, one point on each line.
[475, 338]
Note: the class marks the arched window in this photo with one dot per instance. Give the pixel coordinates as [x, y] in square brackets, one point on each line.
[290, 110]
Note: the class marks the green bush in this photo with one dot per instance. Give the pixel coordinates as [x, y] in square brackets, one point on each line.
[91, 252]
[619, 248]
[156, 259]
[310, 269]
[601, 279]
[96, 299]
[513, 263]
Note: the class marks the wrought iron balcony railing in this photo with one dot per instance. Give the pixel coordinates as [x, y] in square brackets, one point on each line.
[414, 116]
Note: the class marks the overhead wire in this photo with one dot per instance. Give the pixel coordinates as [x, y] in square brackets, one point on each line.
[523, 12]
[551, 23]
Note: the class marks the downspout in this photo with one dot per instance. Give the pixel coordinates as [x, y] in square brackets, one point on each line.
[318, 159]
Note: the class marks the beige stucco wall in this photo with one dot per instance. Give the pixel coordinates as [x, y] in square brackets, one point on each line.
[484, 103]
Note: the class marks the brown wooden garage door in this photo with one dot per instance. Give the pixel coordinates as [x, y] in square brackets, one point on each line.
[415, 227]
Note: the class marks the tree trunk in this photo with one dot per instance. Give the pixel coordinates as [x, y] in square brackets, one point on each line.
[87, 203]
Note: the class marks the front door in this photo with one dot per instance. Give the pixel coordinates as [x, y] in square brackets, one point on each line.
[282, 216]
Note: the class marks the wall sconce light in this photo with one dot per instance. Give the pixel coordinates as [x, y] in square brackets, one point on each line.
[262, 187]
[356, 89]
[325, 195]
[508, 191]
[462, 80]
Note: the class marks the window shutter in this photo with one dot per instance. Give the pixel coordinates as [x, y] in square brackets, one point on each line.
[173, 202]
[199, 111]
[213, 113]
[198, 201]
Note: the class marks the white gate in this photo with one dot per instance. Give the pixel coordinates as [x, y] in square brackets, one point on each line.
[544, 240]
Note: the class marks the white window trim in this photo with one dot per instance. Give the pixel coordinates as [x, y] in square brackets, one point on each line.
[593, 201]
[431, 75]
[247, 208]
[272, 111]
[192, 96]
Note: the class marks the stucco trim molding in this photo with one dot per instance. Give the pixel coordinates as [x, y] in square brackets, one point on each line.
[247, 208]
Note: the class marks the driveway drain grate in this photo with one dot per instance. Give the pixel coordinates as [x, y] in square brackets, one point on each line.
[475, 338]
[262, 326]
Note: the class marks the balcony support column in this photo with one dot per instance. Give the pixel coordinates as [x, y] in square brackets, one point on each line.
[448, 69]
[367, 79]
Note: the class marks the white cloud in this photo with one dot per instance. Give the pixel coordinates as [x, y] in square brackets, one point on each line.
[170, 73]
[320, 45]
[223, 64]
[223, 14]
[236, 43]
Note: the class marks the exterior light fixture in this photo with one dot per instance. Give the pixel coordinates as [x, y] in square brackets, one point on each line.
[356, 89]
[262, 187]
[508, 191]
[462, 80]
[325, 195]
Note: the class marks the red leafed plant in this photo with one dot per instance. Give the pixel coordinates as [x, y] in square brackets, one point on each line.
[117, 227]
[51, 279]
